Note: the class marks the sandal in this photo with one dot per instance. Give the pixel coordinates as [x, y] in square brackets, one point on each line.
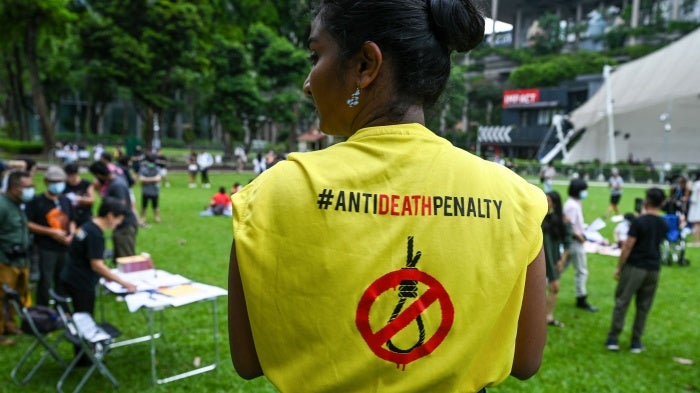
[556, 323]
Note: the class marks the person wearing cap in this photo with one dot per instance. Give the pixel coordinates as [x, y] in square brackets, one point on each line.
[52, 221]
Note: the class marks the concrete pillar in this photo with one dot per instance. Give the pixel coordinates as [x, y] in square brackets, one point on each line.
[579, 17]
[494, 18]
[517, 26]
[635, 20]
[675, 9]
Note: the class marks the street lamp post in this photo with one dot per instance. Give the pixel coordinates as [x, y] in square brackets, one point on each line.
[155, 145]
[666, 119]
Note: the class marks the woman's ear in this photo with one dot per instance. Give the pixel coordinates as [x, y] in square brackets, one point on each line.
[369, 63]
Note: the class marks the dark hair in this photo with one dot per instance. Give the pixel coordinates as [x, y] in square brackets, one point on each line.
[629, 216]
[29, 162]
[576, 186]
[123, 160]
[106, 156]
[554, 222]
[99, 168]
[70, 169]
[655, 197]
[222, 190]
[111, 205]
[415, 36]
[14, 178]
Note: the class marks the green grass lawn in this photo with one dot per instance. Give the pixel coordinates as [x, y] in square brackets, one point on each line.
[575, 359]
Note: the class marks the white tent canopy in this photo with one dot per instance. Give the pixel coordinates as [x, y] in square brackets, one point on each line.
[666, 81]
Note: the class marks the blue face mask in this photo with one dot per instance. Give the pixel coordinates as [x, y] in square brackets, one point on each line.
[583, 195]
[27, 194]
[56, 188]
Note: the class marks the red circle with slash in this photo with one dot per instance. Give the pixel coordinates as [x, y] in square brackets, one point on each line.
[376, 340]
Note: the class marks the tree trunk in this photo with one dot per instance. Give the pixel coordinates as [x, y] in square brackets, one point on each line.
[38, 97]
[148, 130]
[19, 128]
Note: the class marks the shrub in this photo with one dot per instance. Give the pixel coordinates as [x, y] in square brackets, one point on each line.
[21, 147]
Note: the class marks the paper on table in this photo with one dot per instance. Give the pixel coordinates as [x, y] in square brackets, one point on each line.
[146, 280]
[145, 299]
[179, 290]
[205, 292]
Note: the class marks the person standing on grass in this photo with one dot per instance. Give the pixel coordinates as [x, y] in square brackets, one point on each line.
[637, 270]
[14, 247]
[694, 210]
[149, 177]
[573, 211]
[557, 235]
[330, 292]
[615, 183]
[80, 192]
[86, 265]
[204, 162]
[192, 169]
[124, 235]
[52, 221]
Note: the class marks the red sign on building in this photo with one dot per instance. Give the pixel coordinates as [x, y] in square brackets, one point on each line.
[520, 97]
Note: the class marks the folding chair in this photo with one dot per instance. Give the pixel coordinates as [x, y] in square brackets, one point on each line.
[93, 340]
[41, 340]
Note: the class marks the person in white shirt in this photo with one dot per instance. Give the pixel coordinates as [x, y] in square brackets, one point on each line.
[615, 183]
[578, 191]
[205, 160]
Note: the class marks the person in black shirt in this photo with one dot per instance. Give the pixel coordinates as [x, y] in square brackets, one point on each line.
[80, 192]
[52, 221]
[86, 257]
[637, 270]
[124, 235]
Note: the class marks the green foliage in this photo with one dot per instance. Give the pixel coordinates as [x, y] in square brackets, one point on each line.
[551, 71]
[20, 147]
[551, 40]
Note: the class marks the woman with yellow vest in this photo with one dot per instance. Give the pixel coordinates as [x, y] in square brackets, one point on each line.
[392, 261]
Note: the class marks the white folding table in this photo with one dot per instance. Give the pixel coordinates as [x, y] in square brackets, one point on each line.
[150, 298]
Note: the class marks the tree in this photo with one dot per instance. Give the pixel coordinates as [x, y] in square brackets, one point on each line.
[25, 25]
[151, 48]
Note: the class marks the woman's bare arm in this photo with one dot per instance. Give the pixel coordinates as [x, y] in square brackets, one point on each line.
[240, 336]
[532, 325]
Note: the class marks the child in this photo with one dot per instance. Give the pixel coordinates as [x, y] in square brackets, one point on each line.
[637, 271]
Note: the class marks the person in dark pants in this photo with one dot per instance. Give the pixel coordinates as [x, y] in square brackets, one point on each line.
[86, 257]
[14, 247]
[86, 260]
[124, 235]
[52, 221]
[637, 271]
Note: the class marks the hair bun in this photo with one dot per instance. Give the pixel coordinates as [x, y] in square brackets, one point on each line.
[457, 23]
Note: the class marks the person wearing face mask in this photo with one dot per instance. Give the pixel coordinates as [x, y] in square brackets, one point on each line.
[52, 221]
[14, 244]
[578, 191]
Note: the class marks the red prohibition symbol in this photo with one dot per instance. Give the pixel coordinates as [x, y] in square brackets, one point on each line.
[377, 339]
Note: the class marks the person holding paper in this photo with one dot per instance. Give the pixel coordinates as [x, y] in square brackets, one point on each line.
[86, 257]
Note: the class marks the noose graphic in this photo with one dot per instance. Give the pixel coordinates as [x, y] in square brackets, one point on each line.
[408, 289]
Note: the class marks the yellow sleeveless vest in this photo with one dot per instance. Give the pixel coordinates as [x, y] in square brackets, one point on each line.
[392, 262]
